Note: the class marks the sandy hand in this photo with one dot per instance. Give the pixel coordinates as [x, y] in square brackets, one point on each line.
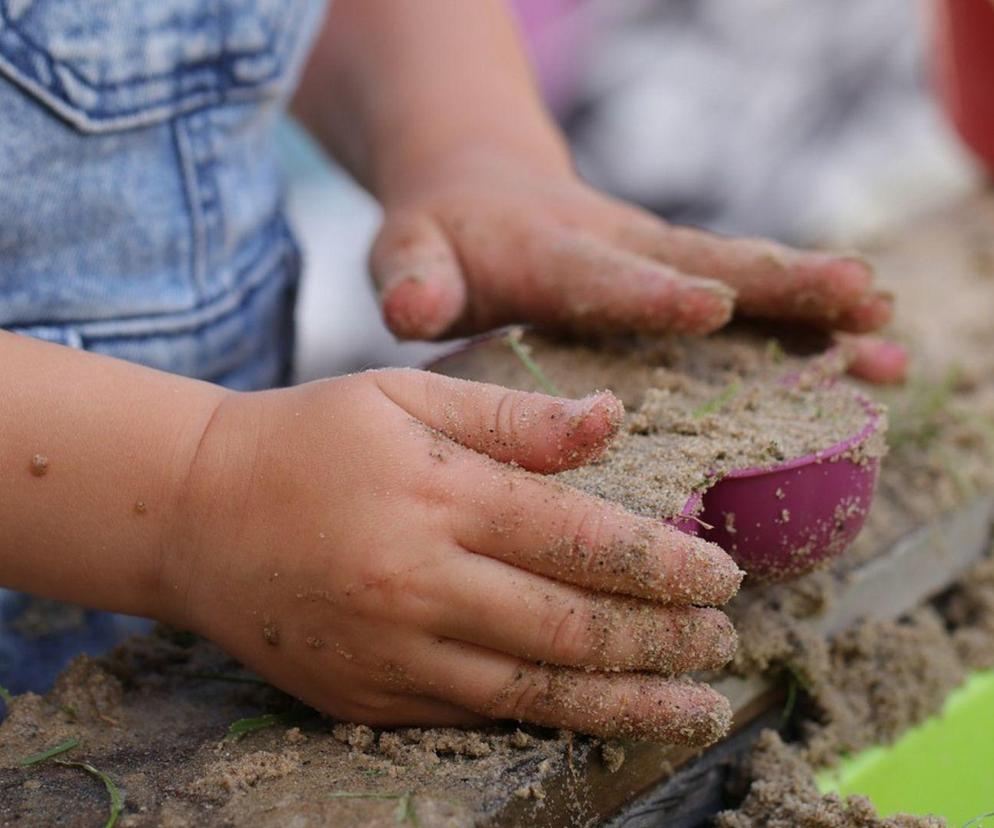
[484, 240]
[364, 543]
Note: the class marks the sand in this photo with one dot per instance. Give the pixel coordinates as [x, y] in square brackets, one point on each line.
[154, 713]
[855, 688]
[782, 794]
[696, 408]
[146, 719]
[866, 688]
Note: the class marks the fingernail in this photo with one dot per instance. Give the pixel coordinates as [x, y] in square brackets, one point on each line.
[604, 403]
[707, 642]
[703, 307]
[889, 351]
[836, 282]
[877, 360]
[855, 259]
[415, 307]
[708, 721]
[704, 717]
[718, 577]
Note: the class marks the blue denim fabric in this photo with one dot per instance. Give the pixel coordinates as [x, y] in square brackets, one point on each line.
[140, 205]
[140, 196]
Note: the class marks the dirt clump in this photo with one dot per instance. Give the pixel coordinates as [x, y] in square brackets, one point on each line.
[782, 794]
[613, 756]
[969, 611]
[857, 704]
[229, 776]
[866, 687]
[856, 685]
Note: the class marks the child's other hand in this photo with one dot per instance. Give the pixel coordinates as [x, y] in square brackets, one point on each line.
[357, 542]
[484, 239]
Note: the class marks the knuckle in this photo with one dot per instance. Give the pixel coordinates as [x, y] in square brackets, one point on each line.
[505, 427]
[527, 696]
[397, 591]
[568, 636]
[431, 492]
[587, 531]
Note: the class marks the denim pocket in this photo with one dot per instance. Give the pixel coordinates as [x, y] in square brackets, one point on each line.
[104, 65]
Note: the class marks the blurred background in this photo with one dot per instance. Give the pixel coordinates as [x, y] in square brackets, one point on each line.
[811, 121]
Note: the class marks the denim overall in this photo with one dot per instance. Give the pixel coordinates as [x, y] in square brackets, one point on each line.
[141, 205]
[140, 198]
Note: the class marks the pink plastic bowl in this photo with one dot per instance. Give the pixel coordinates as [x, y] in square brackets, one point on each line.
[783, 521]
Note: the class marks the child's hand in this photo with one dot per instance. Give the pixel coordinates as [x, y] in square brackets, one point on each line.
[357, 542]
[483, 239]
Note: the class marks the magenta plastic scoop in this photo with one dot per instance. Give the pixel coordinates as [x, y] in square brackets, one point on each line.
[782, 521]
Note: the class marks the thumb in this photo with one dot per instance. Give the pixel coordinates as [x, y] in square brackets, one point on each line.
[417, 273]
[538, 432]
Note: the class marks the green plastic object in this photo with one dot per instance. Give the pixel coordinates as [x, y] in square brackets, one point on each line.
[944, 767]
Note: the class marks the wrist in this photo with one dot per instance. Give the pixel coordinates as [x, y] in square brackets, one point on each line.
[197, 484]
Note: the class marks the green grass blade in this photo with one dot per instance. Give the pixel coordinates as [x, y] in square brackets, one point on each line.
[116, 800]
[788, 708]
[715, 404]
[242, 727]
[519, 350]
[62, 747]
[5, 695]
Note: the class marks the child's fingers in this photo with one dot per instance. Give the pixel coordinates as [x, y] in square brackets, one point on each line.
[584, 284]
[771, 280]
[551, 529]
[872, 314]
[536, 431]
[419, 278]
[609, 705]
[875, 360]
[503, 608]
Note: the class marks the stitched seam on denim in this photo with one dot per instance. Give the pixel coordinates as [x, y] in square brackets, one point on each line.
[277, 281]
[280, 279]
[100, 118]
[214, 63]
[198, 250]
[271, 238]
[218, 308]
[217, 91]
[139, 118]
[230, 359]
[197, 131]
